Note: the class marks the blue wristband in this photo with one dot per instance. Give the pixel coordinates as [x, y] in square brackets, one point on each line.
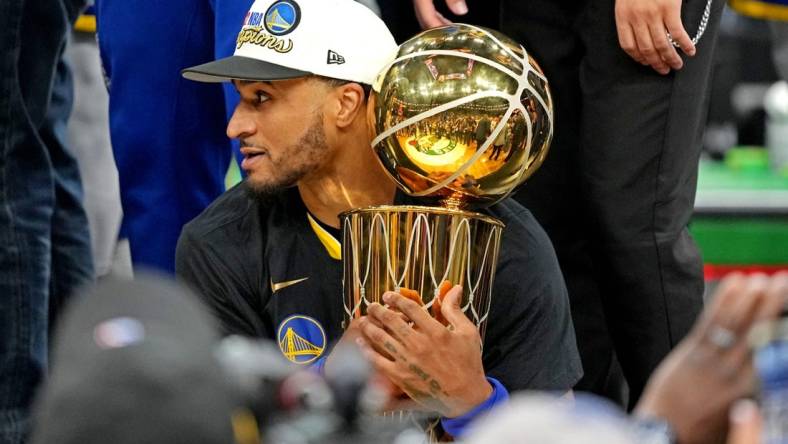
[456, 427]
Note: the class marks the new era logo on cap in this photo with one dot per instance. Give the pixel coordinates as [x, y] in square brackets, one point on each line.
[285, 39]
[334, 58]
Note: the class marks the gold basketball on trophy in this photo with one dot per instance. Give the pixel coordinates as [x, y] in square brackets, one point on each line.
[462, 116]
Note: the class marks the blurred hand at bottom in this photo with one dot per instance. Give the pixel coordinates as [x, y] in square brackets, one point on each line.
[698, 382]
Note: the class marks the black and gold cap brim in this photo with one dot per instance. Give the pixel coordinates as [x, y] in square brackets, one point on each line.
[240, 68]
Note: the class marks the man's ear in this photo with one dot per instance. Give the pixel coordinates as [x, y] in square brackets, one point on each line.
[351, 101]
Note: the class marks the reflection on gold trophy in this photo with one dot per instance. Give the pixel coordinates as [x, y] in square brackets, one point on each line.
[460, 118]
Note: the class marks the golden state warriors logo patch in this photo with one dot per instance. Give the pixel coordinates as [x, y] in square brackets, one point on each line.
[282, 17]
[301, 339]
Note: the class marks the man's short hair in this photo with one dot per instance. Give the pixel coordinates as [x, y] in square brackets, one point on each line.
[335, 83]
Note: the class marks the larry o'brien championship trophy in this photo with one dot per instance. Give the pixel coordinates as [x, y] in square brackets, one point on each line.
[461, 117]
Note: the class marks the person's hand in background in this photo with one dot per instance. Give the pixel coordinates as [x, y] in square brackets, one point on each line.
[643, 27]
[696, 385]
[429, 17]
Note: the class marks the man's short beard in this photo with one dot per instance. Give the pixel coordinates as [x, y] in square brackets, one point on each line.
[313, 146]
[265, 192]
[262, 193]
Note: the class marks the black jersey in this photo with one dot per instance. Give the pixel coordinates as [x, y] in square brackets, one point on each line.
[267, 269]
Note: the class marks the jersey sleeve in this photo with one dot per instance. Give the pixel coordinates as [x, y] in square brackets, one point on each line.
[219, 280]
[530, 341]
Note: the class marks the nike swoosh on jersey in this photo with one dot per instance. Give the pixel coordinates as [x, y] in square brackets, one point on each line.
[280, 285]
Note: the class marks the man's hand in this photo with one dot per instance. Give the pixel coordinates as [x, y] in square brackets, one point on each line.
[395, 397]
[697, 383]
[642, 27]
[429, 17]
[439, 368]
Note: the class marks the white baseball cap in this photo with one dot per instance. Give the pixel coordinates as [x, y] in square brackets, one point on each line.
[285, 39]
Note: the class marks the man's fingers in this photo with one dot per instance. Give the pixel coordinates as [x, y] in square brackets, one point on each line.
[723, 297]
[678, 33]
[396, 313]
[643, 28]
[744, 308]
[665, 50]
[379, 361]
[427, 15]
[444, 20]
[746, 423]
[457, 7]
[451, 309]
[738, 304]
[380, 340]
[776, 297]
[647, 49]
[360, 334]
[626, 38]
[392, 321]
[412, 310]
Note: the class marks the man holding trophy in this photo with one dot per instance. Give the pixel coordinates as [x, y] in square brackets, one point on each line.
[267, 255]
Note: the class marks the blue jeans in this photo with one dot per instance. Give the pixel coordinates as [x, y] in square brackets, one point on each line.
[44, 240]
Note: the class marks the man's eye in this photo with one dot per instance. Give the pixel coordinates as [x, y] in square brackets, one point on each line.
[261, 97]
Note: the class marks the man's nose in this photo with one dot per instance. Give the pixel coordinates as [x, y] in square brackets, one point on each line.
[240, 125]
